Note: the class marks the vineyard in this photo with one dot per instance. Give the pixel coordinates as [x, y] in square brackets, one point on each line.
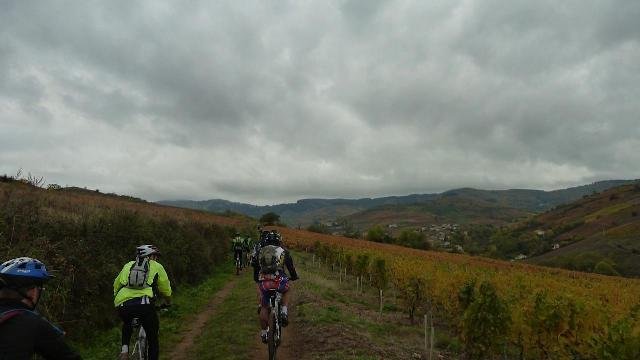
[497, 309]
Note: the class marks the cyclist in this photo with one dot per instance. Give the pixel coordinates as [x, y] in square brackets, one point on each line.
[237, 244]
[136, 288]
[268, 263]
[23, 331]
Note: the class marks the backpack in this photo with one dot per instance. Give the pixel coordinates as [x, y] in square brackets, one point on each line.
[138, 273]
[10, 314]
[271, 259]
[238, 244]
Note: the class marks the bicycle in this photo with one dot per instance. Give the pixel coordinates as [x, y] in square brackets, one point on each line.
[238, 264]
[140, 349]
[275, 323]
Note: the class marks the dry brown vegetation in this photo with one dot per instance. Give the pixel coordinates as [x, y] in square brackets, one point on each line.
[85, 237]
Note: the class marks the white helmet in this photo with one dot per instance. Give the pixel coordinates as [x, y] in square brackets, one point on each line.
[146, 250]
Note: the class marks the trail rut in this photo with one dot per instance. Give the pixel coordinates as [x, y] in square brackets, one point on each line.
[180, 351]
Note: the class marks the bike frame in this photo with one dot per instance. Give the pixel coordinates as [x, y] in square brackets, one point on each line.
[238, 263]
[275, 324]
[140, 346]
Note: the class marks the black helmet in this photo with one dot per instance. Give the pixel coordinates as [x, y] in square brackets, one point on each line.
[273, 238]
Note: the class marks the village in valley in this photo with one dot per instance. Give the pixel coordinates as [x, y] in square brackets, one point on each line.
[440, 237]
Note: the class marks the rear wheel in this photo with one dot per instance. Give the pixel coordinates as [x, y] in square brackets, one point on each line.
[272, 335]
[140, 349]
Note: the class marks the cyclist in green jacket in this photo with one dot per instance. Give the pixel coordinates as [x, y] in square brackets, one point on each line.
[237, 245]
[135, 290]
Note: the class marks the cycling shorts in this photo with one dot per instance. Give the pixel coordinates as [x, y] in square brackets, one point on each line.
[279, 283]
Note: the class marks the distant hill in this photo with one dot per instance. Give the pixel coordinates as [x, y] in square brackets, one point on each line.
[534, 200]
[600, 230]
[306, 211]
[303, 212]
[459, 209]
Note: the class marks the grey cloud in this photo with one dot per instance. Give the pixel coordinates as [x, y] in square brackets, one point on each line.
[289, 99]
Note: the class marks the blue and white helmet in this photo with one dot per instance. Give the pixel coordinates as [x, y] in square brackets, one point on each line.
[23, 271]
[146, 250]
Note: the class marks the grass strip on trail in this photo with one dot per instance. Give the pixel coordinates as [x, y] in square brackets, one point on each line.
[187, 303]
[336, 322]
[231, 332]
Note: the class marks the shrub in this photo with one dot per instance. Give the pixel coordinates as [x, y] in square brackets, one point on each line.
[318, 228]
[376, 234]
[605, 267]
[379, 273]
[619, 340]
[553, 323]
[413, 294]
[485, 321]
[270, 218]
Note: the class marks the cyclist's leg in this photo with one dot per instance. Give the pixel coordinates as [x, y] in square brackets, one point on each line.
[264, 302]
[149, 319]
[259, 292]
[127, 316]
[285, 289]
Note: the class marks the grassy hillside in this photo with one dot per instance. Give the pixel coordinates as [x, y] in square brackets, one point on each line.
[600, 230]
[85, 237]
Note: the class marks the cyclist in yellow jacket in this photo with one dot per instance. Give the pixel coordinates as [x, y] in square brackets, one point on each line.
[136, 288]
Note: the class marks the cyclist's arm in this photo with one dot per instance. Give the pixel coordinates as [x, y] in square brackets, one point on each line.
[121, 279]
[288, 261]
[164, 285]
[50, 343]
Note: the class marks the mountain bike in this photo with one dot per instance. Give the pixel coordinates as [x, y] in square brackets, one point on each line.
[140, 349]
[238, 264]
[275, 323]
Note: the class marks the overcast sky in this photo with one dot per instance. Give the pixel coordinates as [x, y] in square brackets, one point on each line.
[272, 101]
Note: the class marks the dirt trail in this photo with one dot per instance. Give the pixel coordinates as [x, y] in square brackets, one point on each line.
[180, 351]
[290, 349]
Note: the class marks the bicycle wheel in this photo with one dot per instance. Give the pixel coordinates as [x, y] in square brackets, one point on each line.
[141, 347]
[272, 335]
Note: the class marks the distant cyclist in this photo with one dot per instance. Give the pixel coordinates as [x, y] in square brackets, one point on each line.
[23, 331]
[135, 293]
[237, 245]
[269, 264]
